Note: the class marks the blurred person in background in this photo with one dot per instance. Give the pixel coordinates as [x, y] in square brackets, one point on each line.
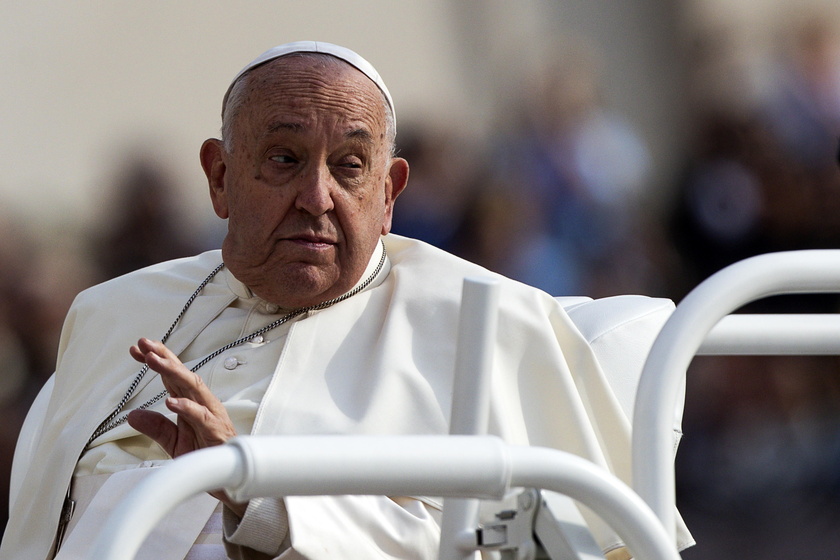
[509, 233]
[762, 172]
[15, 382]
[803, 112]
[585, 170]
[39, 278]
[143, 226]
[443, 167]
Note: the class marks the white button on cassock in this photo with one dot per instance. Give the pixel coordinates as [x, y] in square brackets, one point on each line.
[231, 363]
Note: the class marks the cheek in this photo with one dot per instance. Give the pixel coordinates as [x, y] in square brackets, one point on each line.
[366, 209]
[248, 220]
[369, 218]
[257, 206]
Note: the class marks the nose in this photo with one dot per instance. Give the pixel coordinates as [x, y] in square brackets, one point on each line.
[315, 189]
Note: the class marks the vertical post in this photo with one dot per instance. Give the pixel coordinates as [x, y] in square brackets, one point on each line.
[470, 403]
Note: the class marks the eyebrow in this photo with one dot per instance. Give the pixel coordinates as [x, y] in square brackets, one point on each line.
[278, 126]
[361, 134]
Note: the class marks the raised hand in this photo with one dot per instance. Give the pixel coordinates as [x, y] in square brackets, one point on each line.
[202, 419]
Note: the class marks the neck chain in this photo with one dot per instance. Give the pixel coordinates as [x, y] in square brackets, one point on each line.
[112, 421]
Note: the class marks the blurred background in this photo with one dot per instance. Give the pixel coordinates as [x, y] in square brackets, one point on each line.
[587, 147]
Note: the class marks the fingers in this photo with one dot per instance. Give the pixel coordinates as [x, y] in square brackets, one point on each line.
[177, 378]
[207, 427]
[202, 419]
[155, 354]
[156, 426]
[196, 427]
[146, 347]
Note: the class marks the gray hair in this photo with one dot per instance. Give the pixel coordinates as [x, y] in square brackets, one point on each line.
[236, 98]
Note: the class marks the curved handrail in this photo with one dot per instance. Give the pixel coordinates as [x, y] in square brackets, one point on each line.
[474, 466]
[811, 271]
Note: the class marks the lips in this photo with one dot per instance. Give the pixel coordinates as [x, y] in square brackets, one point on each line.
[311, 240]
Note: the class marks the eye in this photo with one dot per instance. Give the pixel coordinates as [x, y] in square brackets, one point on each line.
[350, 162]
[286, 159]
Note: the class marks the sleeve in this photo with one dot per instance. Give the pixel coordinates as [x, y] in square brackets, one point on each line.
[326, 527]
[263, 529]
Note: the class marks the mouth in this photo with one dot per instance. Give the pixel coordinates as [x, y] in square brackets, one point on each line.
[312, 241]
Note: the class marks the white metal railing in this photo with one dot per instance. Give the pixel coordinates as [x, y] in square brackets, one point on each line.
[472, 466]
[774, 335]
[702, 324]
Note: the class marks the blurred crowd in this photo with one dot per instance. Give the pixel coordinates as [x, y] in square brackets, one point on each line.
[561, 196]
[760, 462]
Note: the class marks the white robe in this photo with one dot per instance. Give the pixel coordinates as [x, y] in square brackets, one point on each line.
[380, 362]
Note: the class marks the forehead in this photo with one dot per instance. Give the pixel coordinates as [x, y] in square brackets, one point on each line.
[308, 86]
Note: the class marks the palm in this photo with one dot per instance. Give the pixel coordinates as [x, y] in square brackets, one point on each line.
[202, 419]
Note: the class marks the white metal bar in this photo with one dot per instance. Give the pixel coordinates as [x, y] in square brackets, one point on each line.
[562, 530]
[774, 335]
[425, 465]
[476, 466]
[729, 289]
[470, 402]
[159, 493]
[474, 356]
[619, 506]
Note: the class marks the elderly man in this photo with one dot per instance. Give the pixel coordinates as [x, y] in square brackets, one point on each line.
[312, 319]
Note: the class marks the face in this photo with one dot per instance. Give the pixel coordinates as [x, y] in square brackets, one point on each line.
[308, 185]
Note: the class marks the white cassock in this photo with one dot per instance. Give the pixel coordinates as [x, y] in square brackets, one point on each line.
[380, 362]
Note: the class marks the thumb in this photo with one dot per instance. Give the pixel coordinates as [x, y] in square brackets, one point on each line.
[156, 426]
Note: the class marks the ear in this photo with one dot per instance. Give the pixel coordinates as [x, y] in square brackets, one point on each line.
[394, 184]
[213, 162]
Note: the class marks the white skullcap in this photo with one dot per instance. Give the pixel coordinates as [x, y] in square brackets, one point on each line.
[337, 51]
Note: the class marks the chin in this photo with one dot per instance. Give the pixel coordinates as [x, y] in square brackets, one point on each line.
[303, 286]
